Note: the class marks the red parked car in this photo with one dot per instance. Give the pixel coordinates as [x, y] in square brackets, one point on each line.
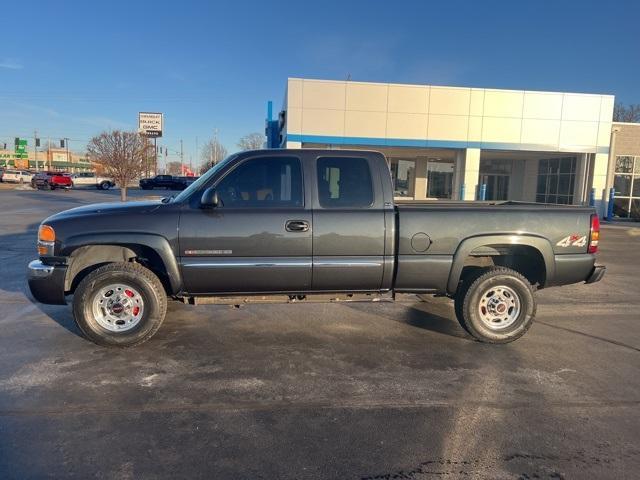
[51, 180]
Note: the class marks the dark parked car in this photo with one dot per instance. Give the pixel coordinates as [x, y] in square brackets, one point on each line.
[168, 182]
[51, 180]
[295, 225]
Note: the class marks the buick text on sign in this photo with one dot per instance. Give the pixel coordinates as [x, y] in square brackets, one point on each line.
[150, 124]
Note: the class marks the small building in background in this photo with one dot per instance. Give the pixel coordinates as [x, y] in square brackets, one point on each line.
[56, 159]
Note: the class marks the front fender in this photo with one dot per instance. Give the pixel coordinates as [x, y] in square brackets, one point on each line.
[470, 244]
[157, 243]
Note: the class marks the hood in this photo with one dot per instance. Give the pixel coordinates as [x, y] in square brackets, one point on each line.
[146, 206]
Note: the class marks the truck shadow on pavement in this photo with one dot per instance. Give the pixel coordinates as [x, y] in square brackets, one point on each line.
[416, 315]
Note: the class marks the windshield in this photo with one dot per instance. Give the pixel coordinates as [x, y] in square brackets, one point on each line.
[195, 186]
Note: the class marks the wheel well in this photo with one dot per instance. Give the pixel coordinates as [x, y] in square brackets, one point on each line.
[84, 260]
[524, 259]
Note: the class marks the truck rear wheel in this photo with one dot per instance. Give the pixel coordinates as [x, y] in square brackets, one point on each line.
[496, 306]
[120, 305]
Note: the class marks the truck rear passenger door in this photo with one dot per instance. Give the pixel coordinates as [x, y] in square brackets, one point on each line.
[348, 224]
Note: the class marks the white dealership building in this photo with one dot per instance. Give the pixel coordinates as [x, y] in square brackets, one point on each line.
[460, 143]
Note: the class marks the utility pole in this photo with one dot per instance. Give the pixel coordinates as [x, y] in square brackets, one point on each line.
[155, 155]
[35, 148]
[215, 147]
[196, 151]
[66, 144]
[181, 159]
[49, 152]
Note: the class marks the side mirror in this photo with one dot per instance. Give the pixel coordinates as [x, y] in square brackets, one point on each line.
[209, 198]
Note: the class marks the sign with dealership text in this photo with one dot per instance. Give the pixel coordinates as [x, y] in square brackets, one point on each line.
[150, 124]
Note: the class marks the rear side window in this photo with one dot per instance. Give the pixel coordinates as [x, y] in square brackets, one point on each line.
[263, 182]
[344, 182]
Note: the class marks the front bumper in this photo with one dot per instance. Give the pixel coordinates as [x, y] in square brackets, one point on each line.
[596, 274]
[46, 282]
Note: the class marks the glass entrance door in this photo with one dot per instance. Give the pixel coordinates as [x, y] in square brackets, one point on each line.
[439, 178]
[497, 186]
[403, 176]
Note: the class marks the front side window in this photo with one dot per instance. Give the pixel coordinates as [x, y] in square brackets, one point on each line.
[344, 182]
[263, 182]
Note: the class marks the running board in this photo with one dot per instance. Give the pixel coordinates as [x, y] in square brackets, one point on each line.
[279, 298]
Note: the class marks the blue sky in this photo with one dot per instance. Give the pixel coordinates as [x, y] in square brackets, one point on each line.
[74, 68]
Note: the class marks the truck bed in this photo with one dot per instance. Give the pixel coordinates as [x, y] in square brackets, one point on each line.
[433, 235]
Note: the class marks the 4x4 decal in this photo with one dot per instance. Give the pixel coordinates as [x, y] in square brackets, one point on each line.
[573, 241]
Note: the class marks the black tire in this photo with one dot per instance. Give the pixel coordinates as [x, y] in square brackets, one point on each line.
[129, 274]
[105, 185]
[33, 185]
[468, 305]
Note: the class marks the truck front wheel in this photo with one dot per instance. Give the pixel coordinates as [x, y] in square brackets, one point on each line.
[119, 305]
[496, 306]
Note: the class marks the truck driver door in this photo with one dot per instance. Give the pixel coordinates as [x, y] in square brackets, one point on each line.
[258, 239]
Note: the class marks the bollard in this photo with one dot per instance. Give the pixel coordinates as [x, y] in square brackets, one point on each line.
[483, 191]
[612, 197]
[462, 192]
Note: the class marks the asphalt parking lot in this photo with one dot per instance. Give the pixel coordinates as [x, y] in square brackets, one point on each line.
[310, 391]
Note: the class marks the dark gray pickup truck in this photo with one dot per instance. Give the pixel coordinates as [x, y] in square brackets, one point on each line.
[296, 225]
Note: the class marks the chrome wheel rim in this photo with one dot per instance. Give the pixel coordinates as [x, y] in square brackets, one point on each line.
[118, 307]
[499, 307]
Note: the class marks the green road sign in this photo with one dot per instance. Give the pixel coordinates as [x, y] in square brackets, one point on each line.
[21, 147]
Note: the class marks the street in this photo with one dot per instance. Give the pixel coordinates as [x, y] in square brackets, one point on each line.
[319, 391]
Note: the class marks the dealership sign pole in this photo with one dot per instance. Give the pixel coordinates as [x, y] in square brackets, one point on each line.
[150, 125]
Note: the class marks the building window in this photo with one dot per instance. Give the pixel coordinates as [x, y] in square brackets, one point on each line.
[439, 178]
[495, 174]
[556, 179]
[403, 175]
[626, 182]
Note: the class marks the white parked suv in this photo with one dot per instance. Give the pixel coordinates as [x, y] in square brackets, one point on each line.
[17, 176]
[90, 179]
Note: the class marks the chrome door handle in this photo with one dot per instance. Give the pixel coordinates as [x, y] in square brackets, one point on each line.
[297, 226]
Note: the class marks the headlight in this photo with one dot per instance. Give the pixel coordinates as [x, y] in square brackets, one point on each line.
[46, 240]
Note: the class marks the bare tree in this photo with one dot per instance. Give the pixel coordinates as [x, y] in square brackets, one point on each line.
[252, 141]
[122, 155]
[626, 113]
[212, 152]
